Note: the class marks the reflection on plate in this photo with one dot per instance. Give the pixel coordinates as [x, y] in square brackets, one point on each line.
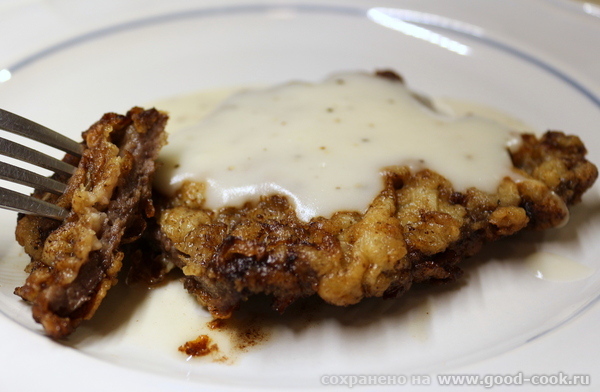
[498, 305]
[590, 7]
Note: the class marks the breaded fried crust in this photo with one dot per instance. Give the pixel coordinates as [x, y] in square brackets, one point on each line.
[74, 263]
[416, 230]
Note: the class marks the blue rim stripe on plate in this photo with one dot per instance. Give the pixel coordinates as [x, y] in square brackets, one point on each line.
[423, 19]
[179, 15]
[477, 33]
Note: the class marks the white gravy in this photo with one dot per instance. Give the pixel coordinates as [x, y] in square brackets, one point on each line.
[324, 145]
[556, 268]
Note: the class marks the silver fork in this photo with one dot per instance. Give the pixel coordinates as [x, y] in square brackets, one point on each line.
[16, 201]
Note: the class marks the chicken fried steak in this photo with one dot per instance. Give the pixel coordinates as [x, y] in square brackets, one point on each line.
[416, 230]
[415, 225]
[74, 263]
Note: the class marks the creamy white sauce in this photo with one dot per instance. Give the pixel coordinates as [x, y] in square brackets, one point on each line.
[556, 268]
[324, 145]
[451, 106]
[420, 320]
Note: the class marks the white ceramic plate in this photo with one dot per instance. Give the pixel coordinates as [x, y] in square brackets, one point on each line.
[95, 58]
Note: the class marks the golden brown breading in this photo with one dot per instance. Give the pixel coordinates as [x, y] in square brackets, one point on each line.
[74, 263]
[416, 230]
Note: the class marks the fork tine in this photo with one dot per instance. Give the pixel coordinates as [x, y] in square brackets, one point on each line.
[21, 126]
[34, 180]
[15, 201]
[26, 154]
